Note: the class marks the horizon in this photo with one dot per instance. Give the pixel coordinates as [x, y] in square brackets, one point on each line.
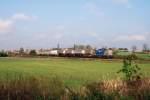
[45, 23]
[138, 49]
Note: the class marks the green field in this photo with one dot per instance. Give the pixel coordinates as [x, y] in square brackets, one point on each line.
[73, 72]
[139, 55]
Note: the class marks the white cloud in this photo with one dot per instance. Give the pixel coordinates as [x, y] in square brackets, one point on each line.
[147, 33]
[131, 38]
[121, 1]
[93, 9]
[5, 25]
[93, 34]
[21, 16]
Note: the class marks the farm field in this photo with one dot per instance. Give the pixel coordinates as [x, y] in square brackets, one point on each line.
[139, 55]
[73, 72]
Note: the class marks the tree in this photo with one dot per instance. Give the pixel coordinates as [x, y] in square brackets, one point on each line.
[145, 47]
[58, 46]
[3, 54]
[33, 52]
[115, 52]
[134, 48]
[21, 51]
[88, 47]
[82, 46]
[130, 68]
[74, 46]
[79, 46]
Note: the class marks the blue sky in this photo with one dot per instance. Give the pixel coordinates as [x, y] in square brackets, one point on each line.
[45, 23]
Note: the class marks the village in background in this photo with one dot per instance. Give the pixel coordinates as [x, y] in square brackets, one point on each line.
[79, 51]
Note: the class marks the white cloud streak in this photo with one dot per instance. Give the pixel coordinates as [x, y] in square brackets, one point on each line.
[121, 1]
[21, 16]
[6, 25]
[131, 38]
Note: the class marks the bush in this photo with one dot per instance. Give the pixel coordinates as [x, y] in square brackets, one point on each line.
[33, 53]
[130, 68]
[3, 54]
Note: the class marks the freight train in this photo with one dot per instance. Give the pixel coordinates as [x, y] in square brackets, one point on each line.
[99, 53]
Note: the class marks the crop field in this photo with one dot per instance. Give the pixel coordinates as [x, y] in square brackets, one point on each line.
[73, 72]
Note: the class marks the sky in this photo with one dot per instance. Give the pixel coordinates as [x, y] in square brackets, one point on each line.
[45, 23]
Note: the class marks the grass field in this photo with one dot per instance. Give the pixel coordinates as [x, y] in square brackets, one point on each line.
[139, 55]
[73, 72]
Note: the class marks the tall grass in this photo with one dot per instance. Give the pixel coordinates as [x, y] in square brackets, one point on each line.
[32, 88]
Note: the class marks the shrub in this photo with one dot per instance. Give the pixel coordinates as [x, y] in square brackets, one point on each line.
[33, 53]
[3, 54]
[130, 68]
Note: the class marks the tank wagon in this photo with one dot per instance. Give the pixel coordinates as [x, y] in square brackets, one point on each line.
[54, 53]
[85, 53]
[77, 53]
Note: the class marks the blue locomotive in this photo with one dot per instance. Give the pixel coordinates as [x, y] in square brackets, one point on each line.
[100, 52]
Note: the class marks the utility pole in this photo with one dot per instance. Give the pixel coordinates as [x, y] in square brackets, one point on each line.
[74, 46]
[58, 46]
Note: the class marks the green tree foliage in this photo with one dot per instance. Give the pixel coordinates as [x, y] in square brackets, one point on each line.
[145, 48]
[3, 54]
[134, 48]
[130, 68]
[21, 51]
[82, 46]
[88, 47]
[33, 52]
[115, 52]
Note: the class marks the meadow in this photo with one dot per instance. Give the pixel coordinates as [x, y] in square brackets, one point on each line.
[72, 72]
